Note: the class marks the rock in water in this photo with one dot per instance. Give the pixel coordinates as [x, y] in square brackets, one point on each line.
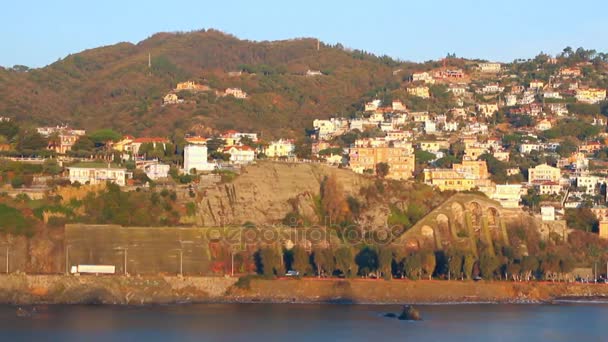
[409, 313]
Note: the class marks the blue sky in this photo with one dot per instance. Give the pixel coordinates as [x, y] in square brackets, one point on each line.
[38, 32]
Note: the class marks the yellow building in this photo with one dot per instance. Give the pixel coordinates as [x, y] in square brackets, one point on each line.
[434, 145]
[419, 91]
[282, 148]
[543, 173]
[461, 177]
[400, 160]
[590, 95]
[604, 229]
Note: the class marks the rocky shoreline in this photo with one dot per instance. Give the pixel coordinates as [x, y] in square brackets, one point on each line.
[61, 289]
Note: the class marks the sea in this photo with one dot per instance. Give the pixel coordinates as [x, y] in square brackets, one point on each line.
[566, 321]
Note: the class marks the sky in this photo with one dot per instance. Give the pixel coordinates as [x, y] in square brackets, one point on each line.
[39, 32]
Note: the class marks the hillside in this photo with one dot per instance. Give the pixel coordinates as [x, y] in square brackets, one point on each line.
[113, 86]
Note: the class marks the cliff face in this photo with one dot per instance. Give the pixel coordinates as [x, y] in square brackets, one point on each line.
[264, 193]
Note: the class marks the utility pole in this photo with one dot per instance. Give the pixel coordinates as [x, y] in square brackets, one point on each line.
[125, 261]
[181, 263]
[67, 258]
[232, 263]
[7, 247]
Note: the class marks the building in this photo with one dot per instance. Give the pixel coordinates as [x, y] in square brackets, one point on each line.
[590, 95]
[489, 67]
[235, 92]
[62, 137]
[154, 141]
[508, 195]
[282, 148]
[398, 106]
[401, 160]
[434, 145]
[191, 86]
[547, 213]
[570, 72]
[461, 177]
[543, 125]
[240, 154]
[548, 188]
[423, 77]
[419, 91]
[195, 158]
[313, 73]
[542, 173]
[232, 137]
[97, 173]
[171, 99]
[536, 84]
[487, 109]
[156, 171]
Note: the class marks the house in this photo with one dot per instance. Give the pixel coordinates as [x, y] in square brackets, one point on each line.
[461, 177]
[590, 183]
[559, 109]
[547, 213]
[232, 137]
[313, 73]
[196, 140]
[124, 145]
[473, 152]
[590, 95]
[171, 98]
[191, 86]
[423, 77]
[508, 195]
[235, 92]
[590, 147]
[154, 141]
[487, 109]
[543, 172]
[477, 168]
[398, 106]
[510, 100]
[419, 91]
[552, 94]
[156, 171]
[450, 73]
[420, 116]
[97, 173]
[64, 137]
[457, 90]
[543, 125]
[434, 145]
[195, 158]
[400, 160]
[570, 72]
[372, 106]
[240, 154]
[282, 148]
[430, 127]
[536, 84]
[548, 188]
[489, 67]
[491, 89]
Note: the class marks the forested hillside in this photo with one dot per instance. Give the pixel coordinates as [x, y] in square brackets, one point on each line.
[114, 86]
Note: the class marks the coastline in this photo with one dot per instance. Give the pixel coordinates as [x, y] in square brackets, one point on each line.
[20, 289]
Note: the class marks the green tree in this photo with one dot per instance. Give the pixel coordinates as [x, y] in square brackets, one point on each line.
[468, 264]
[566, 148]
[488, 264]
[429, 263]
[271, 262]
[102, 136]
[301, 261]
[324, 261]
[582, 219]
[455, 261]
[345, 261]
[385, 261]
[84, 143]
[412, 265]
[382, 170]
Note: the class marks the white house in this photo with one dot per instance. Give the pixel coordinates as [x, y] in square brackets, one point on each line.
[195, 157]
[280, 148]
[156, 171]
[97, 173]
[240, 154]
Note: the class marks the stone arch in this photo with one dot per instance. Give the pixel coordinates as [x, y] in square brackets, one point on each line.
[457, 211]
[427, 232]
[443, 225]
[493, 217]
[476, 212]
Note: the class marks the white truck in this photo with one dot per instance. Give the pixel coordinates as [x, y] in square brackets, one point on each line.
[93, 269]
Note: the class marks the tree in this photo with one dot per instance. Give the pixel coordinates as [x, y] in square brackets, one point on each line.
[582, 219]
[301, 261]
[455, 260]
[102, 136]
[529, 265]
[367, 260]
[271, 262]
[468, 264]
[214, 144]
[412, 265]
[324, 261]
[333, 201]
[488, 264]
[345, 261]
[31, 141]
[385, 261]
[428, 263]
[566, 148]
[382, 170]
[84, 143]
[51, 167]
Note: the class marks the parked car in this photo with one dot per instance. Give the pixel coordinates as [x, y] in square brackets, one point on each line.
[477, 278]
[292, 274]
